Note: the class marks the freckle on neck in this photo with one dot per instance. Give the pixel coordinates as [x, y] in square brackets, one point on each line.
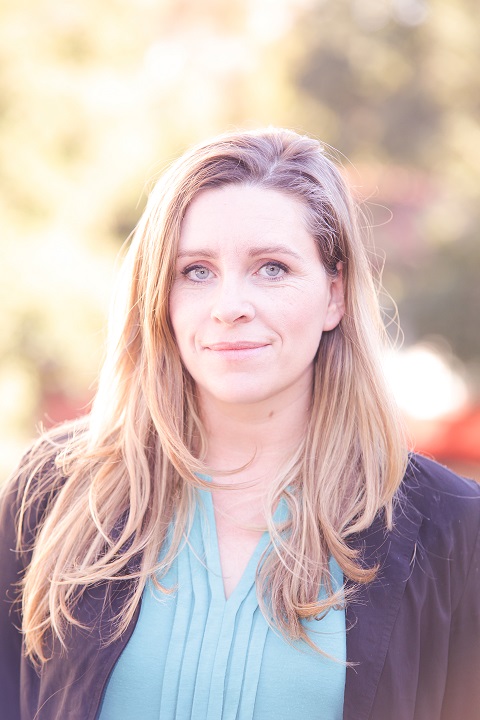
[270, 414]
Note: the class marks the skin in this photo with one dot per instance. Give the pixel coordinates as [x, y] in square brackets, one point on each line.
[250, 301]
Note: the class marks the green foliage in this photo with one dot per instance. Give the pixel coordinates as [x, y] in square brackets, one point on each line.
[399, 85]
[95, 98]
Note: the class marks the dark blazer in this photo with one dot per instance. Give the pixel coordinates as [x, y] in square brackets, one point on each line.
[413, 633]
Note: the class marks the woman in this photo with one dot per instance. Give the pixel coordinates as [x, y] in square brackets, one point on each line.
[237, 529]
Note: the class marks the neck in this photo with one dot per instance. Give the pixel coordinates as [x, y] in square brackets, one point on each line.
[262, 435]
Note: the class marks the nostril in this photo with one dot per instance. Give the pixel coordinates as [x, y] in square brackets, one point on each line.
[231, 313]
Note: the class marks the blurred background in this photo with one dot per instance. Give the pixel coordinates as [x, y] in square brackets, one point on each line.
[97, 98]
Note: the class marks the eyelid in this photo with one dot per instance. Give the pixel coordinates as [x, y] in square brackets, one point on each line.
[193, 266]
[275, 262]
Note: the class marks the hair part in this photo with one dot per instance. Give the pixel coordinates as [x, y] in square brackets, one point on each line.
[135, 461]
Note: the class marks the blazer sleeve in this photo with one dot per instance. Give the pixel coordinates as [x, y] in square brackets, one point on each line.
[11, 570]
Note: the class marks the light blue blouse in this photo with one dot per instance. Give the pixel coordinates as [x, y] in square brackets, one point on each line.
[194, 654]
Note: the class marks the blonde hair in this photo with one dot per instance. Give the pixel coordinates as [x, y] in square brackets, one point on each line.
[122, 474]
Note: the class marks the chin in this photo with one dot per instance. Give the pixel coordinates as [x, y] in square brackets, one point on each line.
[237, 396]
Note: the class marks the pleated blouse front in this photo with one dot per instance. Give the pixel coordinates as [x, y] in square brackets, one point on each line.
[195, 654]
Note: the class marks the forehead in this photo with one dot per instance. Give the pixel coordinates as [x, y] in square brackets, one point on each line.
[244, 213]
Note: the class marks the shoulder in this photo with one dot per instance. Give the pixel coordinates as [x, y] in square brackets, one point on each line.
[438, 493]
[446, 509]
[35, 483]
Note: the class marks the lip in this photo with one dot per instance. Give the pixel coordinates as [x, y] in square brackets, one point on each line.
[234, 346]
[240, 351]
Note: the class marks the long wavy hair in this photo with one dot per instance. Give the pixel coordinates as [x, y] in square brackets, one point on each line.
[112, 483]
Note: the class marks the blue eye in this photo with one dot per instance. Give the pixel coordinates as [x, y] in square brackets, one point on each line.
[274, 270]
[197, 273]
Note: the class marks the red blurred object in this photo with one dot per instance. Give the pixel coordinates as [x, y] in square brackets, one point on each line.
[58, 406]
[454, 441]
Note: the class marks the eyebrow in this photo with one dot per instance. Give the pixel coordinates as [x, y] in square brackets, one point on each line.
[252, 252]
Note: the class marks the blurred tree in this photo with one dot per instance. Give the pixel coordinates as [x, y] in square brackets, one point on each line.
[97, 98]
[395, 84]
[94, 100]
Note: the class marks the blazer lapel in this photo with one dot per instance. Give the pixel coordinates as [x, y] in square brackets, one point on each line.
[370, 616]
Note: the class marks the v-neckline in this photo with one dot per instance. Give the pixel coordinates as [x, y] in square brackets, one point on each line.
[208, 528]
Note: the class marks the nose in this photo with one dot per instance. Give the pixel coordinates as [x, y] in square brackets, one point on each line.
[231, 304]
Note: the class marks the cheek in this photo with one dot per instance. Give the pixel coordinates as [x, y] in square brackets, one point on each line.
[310, 319]
[185, 322]
[177, 320]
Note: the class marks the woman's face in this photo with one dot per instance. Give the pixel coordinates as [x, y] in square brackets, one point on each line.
[251, 297]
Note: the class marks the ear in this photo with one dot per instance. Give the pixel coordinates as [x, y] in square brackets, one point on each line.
[336, 304]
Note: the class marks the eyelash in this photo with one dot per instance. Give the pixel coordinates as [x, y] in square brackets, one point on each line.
[276, 263]
[190, 269]
[280, 265]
